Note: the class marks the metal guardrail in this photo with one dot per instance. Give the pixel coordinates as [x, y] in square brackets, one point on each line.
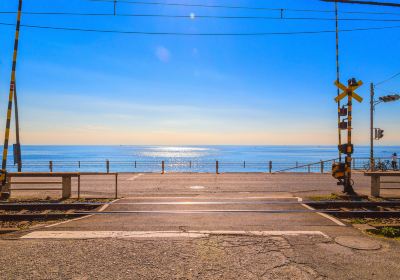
[189, 166]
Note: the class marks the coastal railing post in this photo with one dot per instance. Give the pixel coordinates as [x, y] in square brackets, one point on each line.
[162, 167]
[79, 186]
[51, 166]
[79, 164]
[116, 185]
[108, 166]
[309, 168]
[217, 167]
[322, 167]
[135, 163]
[270, 166]
[244, 164]
[297, 164]
[190, 164]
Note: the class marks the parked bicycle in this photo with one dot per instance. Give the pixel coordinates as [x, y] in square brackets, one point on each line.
[380, 166]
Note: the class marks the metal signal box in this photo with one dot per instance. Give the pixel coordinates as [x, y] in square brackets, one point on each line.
[346, 149]
[343, 112]
[343, 125]
[338, 170]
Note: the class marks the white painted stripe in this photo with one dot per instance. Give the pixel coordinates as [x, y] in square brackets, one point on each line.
[134, 177]
[104, 207]
[157, 234]
[211, 198]
[329, 217]
[64, 222]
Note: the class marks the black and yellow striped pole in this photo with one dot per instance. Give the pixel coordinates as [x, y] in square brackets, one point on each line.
[3, 176]
[338, 74]
[348, 188]
[342, 171]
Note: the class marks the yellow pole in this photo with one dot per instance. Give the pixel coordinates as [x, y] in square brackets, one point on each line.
[10, 99]
[348, 188]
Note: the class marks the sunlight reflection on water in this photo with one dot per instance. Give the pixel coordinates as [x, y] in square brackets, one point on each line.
[175, 152]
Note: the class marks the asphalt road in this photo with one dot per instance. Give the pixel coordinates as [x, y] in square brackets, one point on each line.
[156, 239]
[186, 184]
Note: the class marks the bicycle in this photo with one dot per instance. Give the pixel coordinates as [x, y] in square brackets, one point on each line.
[380, 165]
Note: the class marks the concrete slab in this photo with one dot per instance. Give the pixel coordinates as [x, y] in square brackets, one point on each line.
[233, 214]
[158, 234]
[359, 243]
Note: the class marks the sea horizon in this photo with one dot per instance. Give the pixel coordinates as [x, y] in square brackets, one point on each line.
[196, 158]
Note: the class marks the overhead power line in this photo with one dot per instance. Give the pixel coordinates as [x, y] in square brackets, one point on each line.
[388, 79]
[197, 34]
[194, 16]
[373, 3]
[194, 5]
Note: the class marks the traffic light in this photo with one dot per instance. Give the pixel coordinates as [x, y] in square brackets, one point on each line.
[389, 98]
[378, 133]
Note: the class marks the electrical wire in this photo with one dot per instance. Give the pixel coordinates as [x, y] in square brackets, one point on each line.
[388, 79]
[238, 7]
[198, 34]
[193, 16]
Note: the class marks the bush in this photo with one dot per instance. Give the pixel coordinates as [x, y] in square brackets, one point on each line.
[390, 232]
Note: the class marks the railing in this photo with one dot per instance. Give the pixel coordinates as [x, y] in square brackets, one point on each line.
[190, 166]
[316, 167]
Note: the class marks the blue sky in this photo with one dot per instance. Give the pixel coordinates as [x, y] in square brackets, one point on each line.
[103, 88]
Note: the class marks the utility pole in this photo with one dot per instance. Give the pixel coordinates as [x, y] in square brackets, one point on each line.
[3, 175]
[372, 161]
[17, 147]
[378, 131]
[338, 73]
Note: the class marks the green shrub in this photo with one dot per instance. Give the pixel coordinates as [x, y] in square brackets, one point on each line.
[390, 232]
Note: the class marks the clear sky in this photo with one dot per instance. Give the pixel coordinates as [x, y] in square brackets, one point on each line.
[105, 88]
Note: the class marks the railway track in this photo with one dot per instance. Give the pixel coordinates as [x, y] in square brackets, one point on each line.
[44, 211]
[338, 208]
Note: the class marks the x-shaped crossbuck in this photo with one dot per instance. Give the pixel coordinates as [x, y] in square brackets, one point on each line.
[348, 91]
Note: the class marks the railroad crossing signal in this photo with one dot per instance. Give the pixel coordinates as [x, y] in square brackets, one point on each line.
[349, 91]
[340, 170]
[378, 133]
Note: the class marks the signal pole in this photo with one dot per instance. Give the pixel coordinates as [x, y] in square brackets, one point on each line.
[3, 176]
[348, 188]
[378, 131]
[371, 136]
[342, 171]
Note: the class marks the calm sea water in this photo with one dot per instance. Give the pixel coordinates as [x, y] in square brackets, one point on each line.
[180, 158]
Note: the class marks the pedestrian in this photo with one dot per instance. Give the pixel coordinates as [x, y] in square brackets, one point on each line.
[394, 161]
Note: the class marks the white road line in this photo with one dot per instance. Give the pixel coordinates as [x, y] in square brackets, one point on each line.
[104, 207]
[158, 234]
[134, 177]
[336, 221]
[211, 197]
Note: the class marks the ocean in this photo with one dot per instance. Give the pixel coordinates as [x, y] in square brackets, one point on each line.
[127, 158]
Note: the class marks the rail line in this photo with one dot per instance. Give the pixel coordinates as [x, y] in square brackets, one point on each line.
[330, 203]
[341, 209]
